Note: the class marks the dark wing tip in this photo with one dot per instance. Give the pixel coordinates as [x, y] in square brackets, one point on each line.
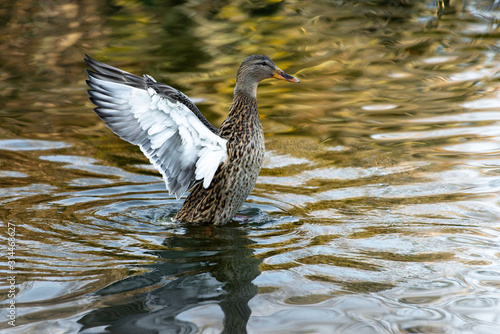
[89, 60]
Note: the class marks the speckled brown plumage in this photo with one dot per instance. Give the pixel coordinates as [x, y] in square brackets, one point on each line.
[236, 177]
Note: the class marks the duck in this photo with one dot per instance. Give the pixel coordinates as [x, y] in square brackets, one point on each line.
[218, 166]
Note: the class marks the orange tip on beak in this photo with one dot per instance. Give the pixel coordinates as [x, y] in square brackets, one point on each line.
[284, 76]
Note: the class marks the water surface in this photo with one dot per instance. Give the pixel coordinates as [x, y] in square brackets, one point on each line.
[377, 210]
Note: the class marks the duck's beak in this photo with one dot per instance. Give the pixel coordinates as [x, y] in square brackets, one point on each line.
[284, 76]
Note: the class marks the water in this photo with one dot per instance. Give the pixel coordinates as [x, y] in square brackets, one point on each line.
[377, 209]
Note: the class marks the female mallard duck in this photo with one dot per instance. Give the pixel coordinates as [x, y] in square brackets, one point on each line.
[220, 167]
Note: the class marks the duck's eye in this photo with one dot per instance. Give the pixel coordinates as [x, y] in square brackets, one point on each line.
[263, 64]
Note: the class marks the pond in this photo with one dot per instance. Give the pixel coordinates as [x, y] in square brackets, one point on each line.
[377, 209]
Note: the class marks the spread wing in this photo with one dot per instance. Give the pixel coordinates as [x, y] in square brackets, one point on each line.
[162, 121]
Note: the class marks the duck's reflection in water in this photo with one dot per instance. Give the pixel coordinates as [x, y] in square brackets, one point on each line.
[203, 265]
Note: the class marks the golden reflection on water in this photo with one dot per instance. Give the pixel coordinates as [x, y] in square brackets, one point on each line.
[377, 206]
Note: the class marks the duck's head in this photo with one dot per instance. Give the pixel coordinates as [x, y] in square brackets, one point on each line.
[256, 68]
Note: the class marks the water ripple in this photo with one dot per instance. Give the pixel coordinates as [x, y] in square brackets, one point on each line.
[376, 210]
[31, 145]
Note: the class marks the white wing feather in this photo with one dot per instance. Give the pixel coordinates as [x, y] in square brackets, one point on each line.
[175, 140]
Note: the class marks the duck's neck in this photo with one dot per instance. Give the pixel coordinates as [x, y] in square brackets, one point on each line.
[244, 104]
[243, 118]
[246, 85]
